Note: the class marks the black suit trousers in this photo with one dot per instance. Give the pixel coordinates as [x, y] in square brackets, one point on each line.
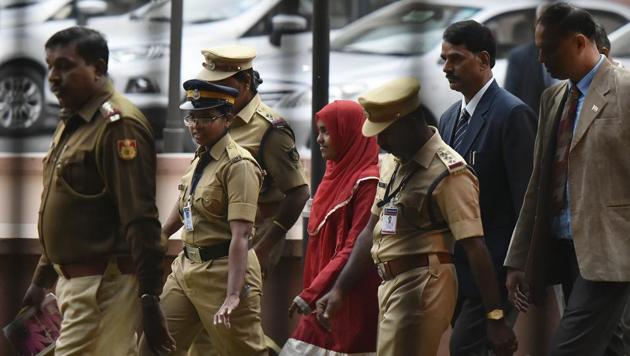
[590, 324]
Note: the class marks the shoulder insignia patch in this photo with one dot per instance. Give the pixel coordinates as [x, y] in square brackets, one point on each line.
[453, 164]
[233, 154]
[109, 112]
[127, 149]
[271, 117]
[293, 154]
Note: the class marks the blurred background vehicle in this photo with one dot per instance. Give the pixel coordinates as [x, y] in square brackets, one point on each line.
[620, 44]
[405, 38]
[139, 45]
[276, 28]
[24, 98]
[372, 41]
[24, 12]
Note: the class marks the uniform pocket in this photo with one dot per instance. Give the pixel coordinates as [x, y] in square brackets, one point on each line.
[212, 199]
[78, 173]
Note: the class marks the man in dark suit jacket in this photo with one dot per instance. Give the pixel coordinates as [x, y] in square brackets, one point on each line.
[494, 131]
[574, 225]
[525, 76]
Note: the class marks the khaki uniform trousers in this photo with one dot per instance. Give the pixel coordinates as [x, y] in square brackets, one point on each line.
[202, 346]
[194, 292]
[415, 309]
[100, 314]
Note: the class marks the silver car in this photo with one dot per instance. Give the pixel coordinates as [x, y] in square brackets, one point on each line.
[404, 38]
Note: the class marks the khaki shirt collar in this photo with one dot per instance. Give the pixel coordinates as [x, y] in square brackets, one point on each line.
[425, 154]
[248, 111]
[90, 108]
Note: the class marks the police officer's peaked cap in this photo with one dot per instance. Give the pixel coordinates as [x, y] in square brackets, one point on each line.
[203, 95]
[225, 61]
[388, 103]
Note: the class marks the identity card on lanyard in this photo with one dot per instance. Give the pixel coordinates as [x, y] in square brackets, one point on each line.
[388, 221]
[187, 212]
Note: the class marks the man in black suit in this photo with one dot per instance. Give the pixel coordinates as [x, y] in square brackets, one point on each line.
[494, 131]
[525, 76]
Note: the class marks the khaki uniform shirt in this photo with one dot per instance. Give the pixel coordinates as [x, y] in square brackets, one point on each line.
[99, 187]
[227, 190]
[281, 159]
[455, 200]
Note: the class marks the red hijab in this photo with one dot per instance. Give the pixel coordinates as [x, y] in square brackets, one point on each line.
[357, 160]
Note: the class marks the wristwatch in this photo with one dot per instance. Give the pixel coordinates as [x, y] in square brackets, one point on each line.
[495, 314]
[149, 300]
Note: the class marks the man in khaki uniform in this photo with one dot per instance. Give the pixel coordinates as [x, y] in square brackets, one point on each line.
[260, 130]
[427, 200]
[98, 223]
[216, 279]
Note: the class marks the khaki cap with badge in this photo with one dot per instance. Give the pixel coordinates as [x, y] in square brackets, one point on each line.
[386, 104]
[225, 61]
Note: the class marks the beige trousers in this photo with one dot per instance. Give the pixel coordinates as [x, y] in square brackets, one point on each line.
[100, 314]
[202, 345]
[192, 295]
[415, 309]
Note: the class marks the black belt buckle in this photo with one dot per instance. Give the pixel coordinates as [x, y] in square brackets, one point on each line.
[193, 253]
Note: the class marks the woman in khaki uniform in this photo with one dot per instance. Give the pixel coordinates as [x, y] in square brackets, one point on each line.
[216, 281]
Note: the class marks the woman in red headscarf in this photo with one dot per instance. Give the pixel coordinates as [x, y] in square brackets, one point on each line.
[341, 209]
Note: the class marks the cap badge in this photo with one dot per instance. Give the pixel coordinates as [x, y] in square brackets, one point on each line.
[211, 65]
[196, 95]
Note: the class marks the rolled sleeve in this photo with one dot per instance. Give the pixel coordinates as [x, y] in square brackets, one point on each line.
[458, 199]
[243, 187]
[242, 211]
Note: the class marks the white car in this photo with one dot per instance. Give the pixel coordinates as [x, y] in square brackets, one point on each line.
[23, 88]
[404, 39]
[139, 45]
[26, 12]
[141, 72]
[620, 44]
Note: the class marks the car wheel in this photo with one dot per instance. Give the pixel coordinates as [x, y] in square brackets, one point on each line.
[22, 106]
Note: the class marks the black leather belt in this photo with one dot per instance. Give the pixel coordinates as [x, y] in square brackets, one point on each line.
[207, 253]
[96, 266]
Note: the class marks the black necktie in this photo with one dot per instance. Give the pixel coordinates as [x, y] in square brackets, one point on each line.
[204, 160]
[460, 129]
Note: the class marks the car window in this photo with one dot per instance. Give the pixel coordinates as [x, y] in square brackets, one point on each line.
[609, 20]
[197, 11]
[413, 30]
[621, 46]
[11, 5]
[344, 12]
[263, 26]
[512, 29]
[114, 7]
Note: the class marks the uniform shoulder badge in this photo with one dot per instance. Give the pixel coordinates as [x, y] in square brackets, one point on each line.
[233, 154]
[127, 149]
[293, 154]
[109, 112]
[269, 115]
[453, 163]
